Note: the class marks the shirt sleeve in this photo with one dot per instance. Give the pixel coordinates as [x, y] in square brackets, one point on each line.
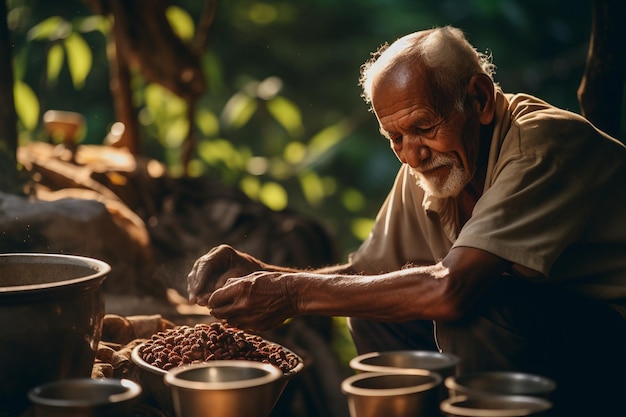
[536, 205]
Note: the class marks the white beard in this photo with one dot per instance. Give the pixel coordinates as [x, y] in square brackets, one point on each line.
[451, 185]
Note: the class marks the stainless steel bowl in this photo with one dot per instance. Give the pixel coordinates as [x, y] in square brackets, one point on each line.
[85, 397]
[499, 382]
[235, 388]
[152, 379]
[51, 312]
[444, 364]
[401, 393]
[495, 406]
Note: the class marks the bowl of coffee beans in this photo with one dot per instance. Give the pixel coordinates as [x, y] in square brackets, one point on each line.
[201, 343]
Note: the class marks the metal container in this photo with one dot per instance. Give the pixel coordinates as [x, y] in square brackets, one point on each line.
[499, 382]
[152, 379]
[51, 312]
[495, 406]
[405, 393]
[234, 388]
[444, 364]
[85, 397]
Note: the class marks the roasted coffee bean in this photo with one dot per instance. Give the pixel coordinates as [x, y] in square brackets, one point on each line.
[202, 342]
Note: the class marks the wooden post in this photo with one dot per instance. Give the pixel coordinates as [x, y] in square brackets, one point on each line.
[9, 176]
[8, 117]
[602, 86]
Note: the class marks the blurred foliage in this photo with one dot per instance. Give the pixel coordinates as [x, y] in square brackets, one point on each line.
[283, 118]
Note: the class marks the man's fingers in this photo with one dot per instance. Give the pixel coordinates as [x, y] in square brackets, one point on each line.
[220, 298]
[197, 282]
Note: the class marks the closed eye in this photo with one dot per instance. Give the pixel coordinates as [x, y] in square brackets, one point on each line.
[423, 131]
[394, 138]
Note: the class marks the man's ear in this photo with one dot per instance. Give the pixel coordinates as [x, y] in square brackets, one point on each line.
[481, 92]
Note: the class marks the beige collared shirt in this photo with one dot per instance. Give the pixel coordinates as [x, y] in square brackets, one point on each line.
[554, 204]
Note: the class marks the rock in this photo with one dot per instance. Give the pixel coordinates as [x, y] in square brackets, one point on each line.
[77, 226]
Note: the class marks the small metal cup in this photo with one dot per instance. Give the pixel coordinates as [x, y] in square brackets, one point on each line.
[499, 383]
[444, 364]
[401, 393]
[85, 397]
[236, 388]
[495, 406]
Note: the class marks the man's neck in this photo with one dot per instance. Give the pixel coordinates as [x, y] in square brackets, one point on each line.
[468, 198]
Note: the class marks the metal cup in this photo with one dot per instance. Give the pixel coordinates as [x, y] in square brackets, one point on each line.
[495, 406]
[402, 393]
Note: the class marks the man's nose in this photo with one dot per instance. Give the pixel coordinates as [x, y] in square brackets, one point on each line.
[413, 152]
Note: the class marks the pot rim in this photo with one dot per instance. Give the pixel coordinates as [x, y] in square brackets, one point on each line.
[527, 406]
[363, 362]
[131, 390]
[271, 374]
[463, 383]
[100, 268]
[349, 388]
[135, 356]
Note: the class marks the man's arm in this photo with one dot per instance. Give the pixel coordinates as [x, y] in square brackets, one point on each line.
[445, 291]
[211, 271]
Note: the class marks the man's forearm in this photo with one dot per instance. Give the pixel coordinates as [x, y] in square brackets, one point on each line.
[345, 269]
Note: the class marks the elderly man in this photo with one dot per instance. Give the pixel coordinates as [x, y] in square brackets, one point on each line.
[505, 227]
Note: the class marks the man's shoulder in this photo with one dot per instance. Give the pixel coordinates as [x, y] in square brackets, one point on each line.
[536, 124]
[526, 108]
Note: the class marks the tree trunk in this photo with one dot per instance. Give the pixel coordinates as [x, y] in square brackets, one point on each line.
[9, 176]
[121, 90]
[602, 87]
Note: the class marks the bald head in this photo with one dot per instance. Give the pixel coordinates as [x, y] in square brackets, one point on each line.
[442, 55]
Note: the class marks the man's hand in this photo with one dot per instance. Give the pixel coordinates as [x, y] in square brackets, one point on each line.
[257, 302]
[211, 271]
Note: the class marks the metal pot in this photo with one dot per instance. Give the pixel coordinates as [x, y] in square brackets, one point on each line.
[51, 312]
[85, 397]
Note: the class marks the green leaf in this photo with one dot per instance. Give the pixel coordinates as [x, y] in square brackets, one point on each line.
[294, 152]
[154, 97]
[79, 59]
[181, 22]
[98, 23]
[207, 122]
[353, 200]
[26, 105]
[55, 62]
[273, 195]
[324, 140]
[239, 110]
[52, 28]
[361, 228]
[328, 137]
[262, 13]
[163, 104]
[221, 150]
[251, 186]
[20, 63]
[312, 187]
[287, 114]
[175, 132]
